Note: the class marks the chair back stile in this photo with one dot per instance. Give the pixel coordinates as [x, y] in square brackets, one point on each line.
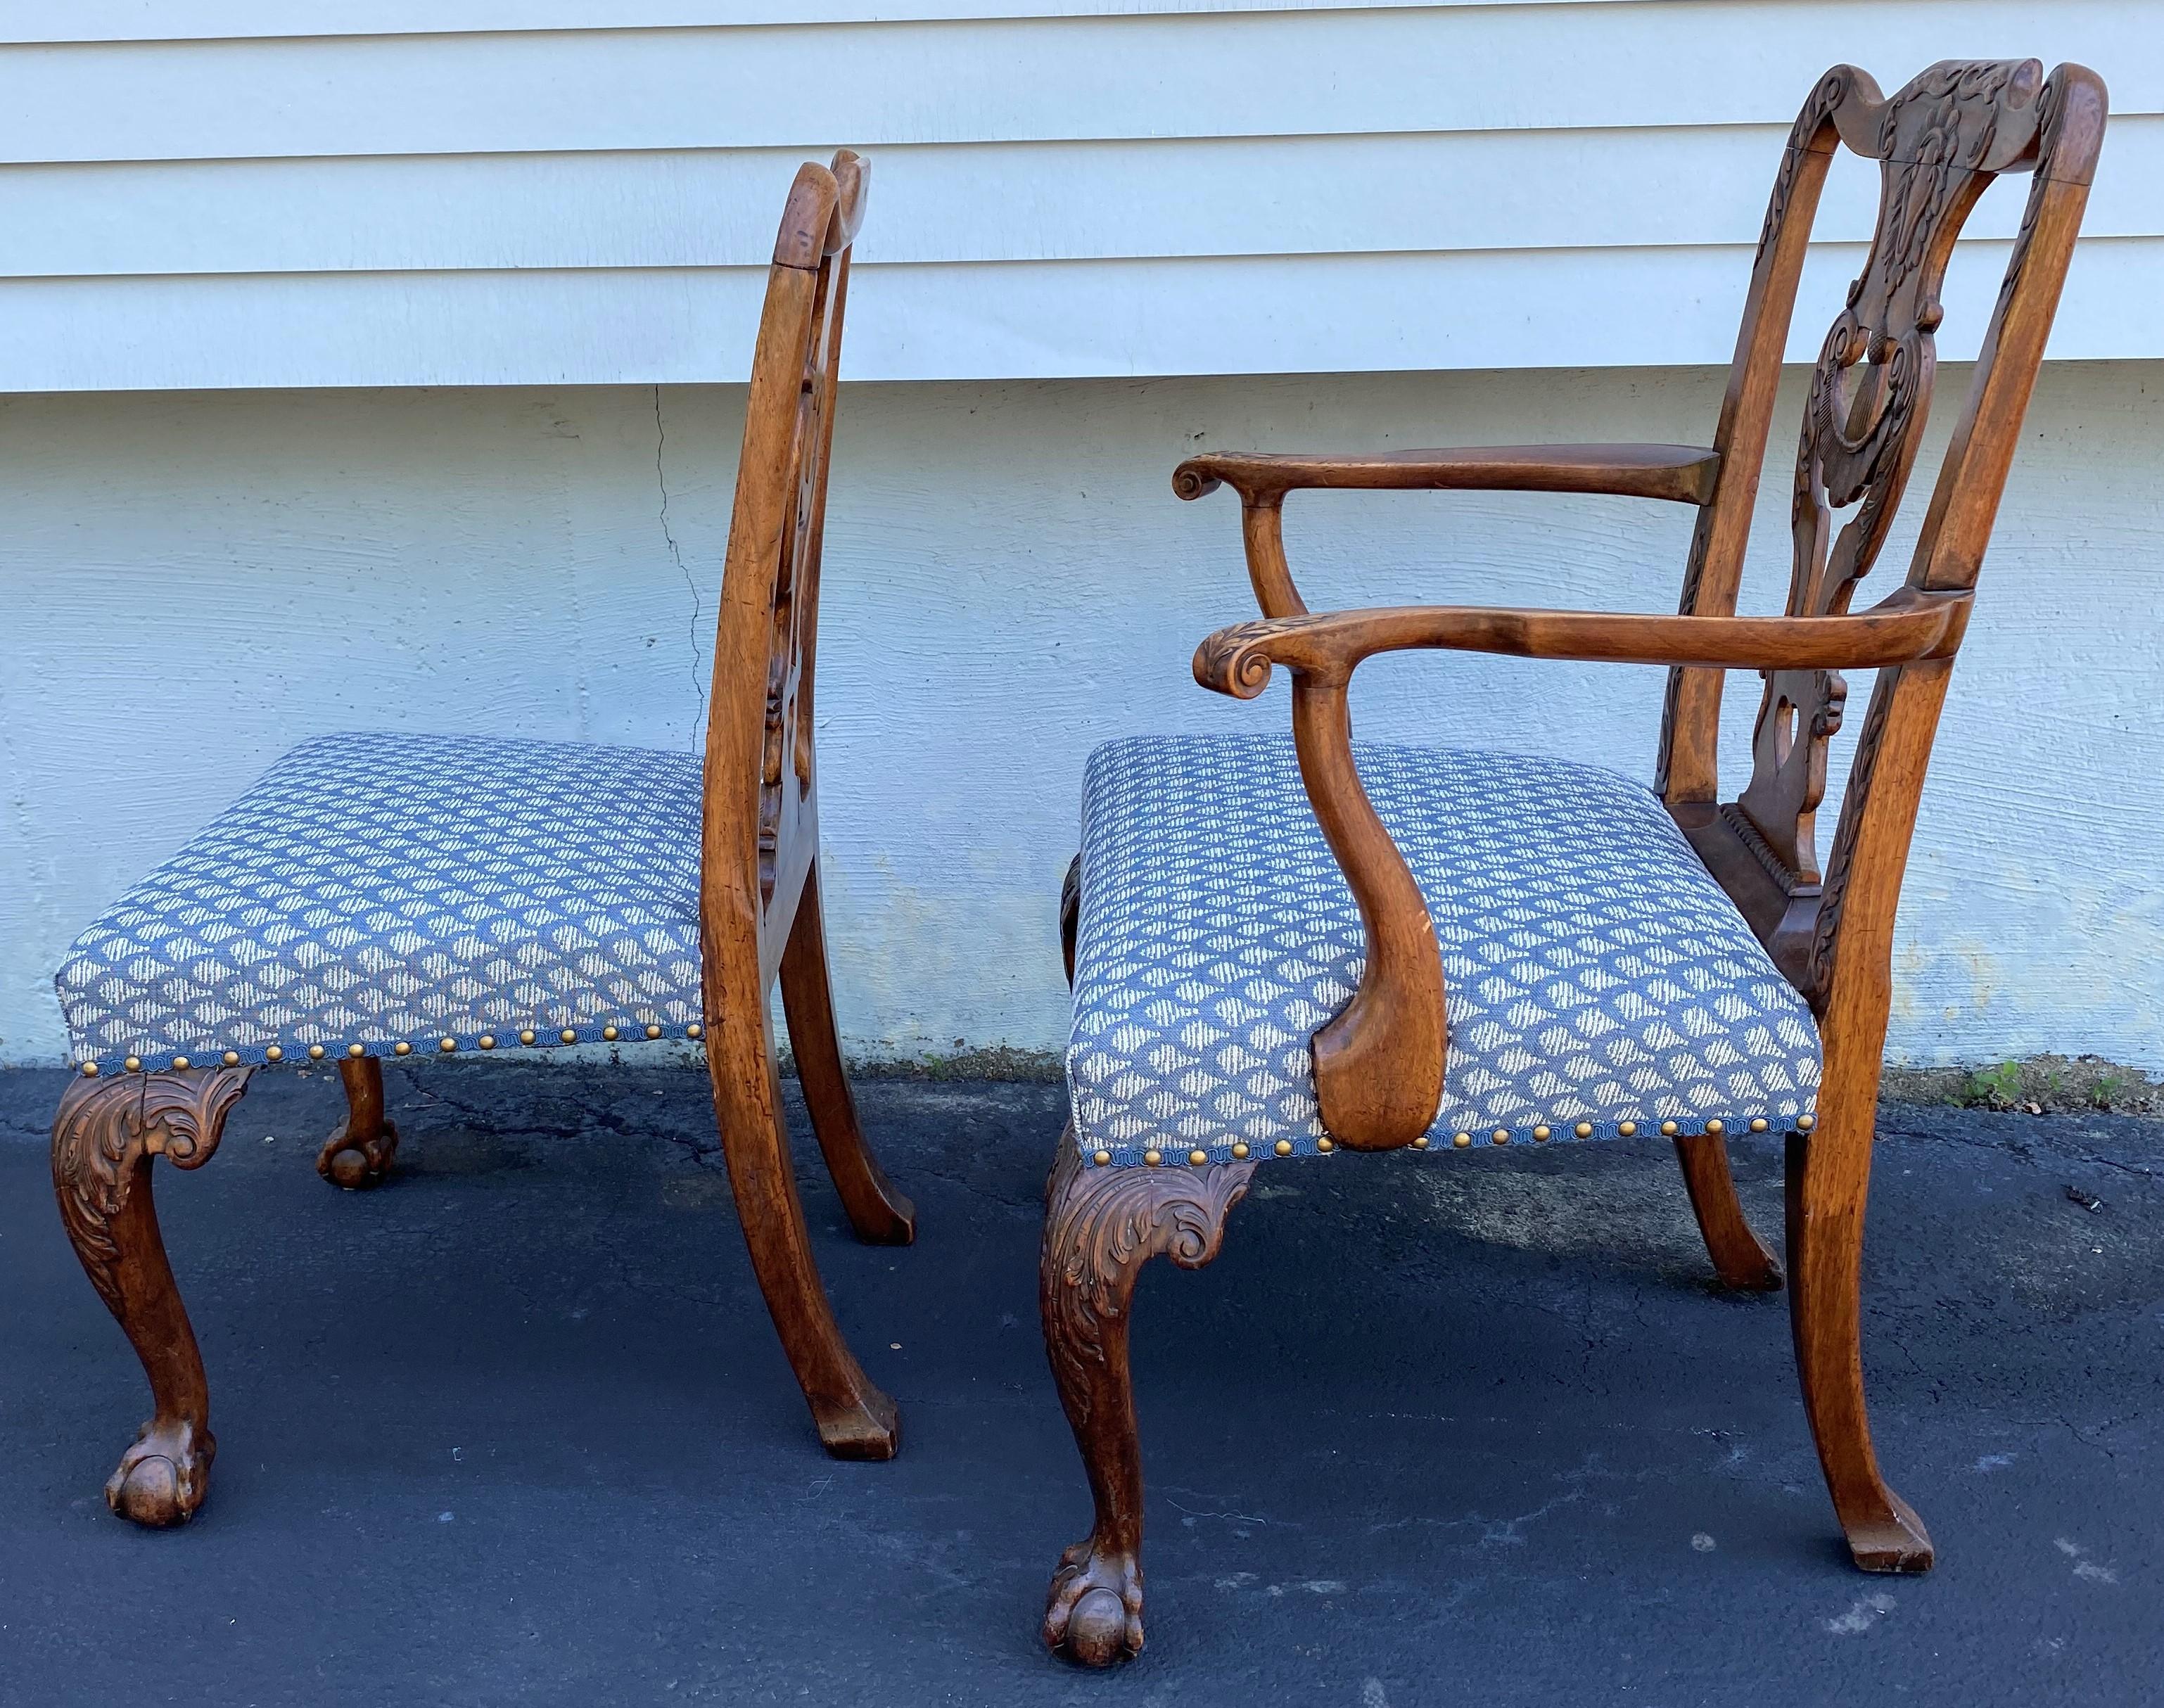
[761, 832]
[1940, 141]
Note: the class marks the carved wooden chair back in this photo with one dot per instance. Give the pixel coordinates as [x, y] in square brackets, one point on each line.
[1939, 143]
[761, 825]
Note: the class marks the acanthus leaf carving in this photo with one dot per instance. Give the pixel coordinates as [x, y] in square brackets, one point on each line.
[1105, 1224]
[107, 1127]
[1232, 659]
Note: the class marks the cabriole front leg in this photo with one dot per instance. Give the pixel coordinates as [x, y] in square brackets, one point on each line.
[104, 1138]
[1101, 1226]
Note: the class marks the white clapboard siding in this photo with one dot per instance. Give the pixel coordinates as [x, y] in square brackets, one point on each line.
[1256, 73]
[1328, 195]
[488, 192]
[1026, 320]
[189, 20]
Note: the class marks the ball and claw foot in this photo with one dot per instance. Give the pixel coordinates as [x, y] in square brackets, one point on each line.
[1896, 1542]
[1094, 1614]
[870, 1428]
[162, 1480]
[357, 1162]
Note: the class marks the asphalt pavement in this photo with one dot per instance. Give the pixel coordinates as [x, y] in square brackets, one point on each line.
[1435, 1429]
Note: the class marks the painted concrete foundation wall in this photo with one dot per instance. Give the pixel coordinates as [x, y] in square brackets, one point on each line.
[192, 582]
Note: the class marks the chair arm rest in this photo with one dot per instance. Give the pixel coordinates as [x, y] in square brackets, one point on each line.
[1682, 473]
[1379, 1064]
[1909, 625]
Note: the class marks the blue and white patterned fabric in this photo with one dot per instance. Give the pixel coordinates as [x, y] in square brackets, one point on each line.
[1598, 981]
[383, 891]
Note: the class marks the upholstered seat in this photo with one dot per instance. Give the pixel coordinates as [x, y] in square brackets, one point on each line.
[1599, 982]
[379, 895]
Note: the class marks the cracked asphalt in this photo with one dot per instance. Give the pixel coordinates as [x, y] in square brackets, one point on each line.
[513, 1428]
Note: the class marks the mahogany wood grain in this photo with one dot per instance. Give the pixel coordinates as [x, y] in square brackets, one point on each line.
[361, 1147]
[1939, 142]
[1682, 474]
[760, 837]
[879, 1214]
[105, 1137]
[1740, 1257]
[1101, 1226]
[1909, 624]
[1379, 1061]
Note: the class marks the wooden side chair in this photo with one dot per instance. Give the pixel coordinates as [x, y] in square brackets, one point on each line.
[409, 896]
[1460, 948]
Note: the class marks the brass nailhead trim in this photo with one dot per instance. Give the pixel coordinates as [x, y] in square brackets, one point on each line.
[401, 1049]
[690, 1032]
[233, 1058]
[527, 1036]
[1540, 1135]
[1758, 1125]
[1240, 1152]
[568, 1035]
[1420, 1143]
[609, 1033]
[1102, 1158]
[1667, 1129]
[1628, 1129]
[1324, 1146]
[1805, 1123]
[356, 1049]
[315, 1052]
[1583, 1129]
[1502, 1135]
[447, 1044]
[90, 1070]
[133, 1064]
[487, 1040]
[1461, 1139]
[1152, 1158]
[654, 1031]
[1715, 1129]
[1198, 1158]
[1284, 1147]
[272, 1054]
[180, 1061]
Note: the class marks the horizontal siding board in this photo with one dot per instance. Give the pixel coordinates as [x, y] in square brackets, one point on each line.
[1005, 80]
[1287, 314]
[187, 20]
[1576, 189]
[504, 191]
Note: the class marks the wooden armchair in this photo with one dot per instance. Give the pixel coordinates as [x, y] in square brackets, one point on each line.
[1458, 947]
[405, 895]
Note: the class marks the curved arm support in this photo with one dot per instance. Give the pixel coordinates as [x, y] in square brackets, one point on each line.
[1378, 1064]
[1262, 533]
[1910, 624]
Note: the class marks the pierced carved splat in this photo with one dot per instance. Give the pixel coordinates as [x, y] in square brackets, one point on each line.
[1939, 141]
[786, 804]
